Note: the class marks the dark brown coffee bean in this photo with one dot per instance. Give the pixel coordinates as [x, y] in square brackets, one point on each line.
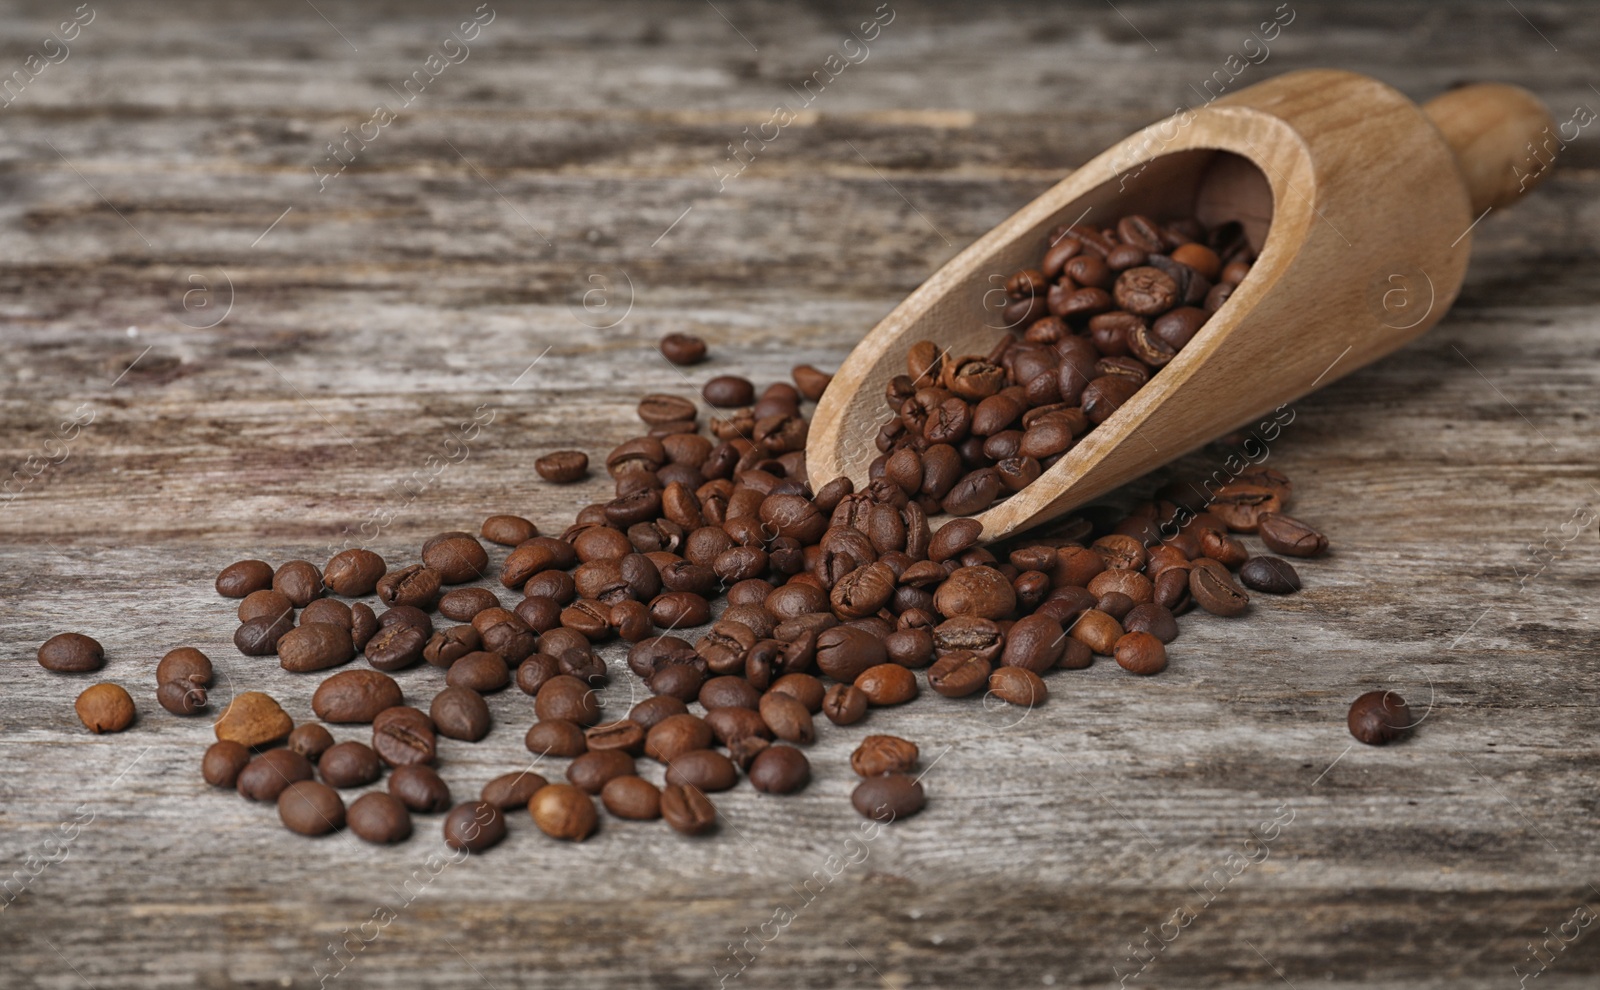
[403, 736]
[310, 808]
[591, 770]
[803, 688]
[460, 713]
[378, 818]
[675, 735]
[844, 652]
[223, 761]
[651, 711]
[455, 557]
[563, 467]
[185, 664]
[508, 531]
[1140, 653]
[419, 788]
[1379, 717]
[981, 592]
[633, 798]
[878, 755]
[354, 572]
[889, 797]
[887, 684]
[512, 790]
[958, 674]
[363, 624]
[705, 769]
[683, 348]
[265, 603]
[462, 604]
[1287, 535]
[182, 697]
[1018, 686]
[974, 493]
[71, 653]
[556, 737]
[394, 647]
[567, 697]
[349, 764]
[474, 827]
[688, 810]
[679, 680]
[311, 740]
[789, 719]
[416, 586]
[268, 775]
[449, 645]
[563, 811]
[316, 646]
[1273, 575]
[1213, 590]
[779, 770]
[728, 692]
[1034, 642]
[329, 610]
[1154, 619]
[728, 391]
[657, 409]
[482, 672]
[298, 580]
[243, 577]
[845, 704]
[1146, 291]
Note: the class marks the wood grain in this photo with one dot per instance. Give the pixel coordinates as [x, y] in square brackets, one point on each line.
[376, 316]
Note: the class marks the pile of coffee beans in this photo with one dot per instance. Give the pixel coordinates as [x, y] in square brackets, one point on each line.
[1104, 311]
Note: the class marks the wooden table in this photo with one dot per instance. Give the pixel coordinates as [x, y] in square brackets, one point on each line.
[259, 362]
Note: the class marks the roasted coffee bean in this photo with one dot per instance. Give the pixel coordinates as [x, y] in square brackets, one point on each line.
[590, 771]
[679, 680]
[680, 610]
[878, 755]
[631, 797]
[562, 467]
[1151, 618]
[705, 769]
[508, 531]
[688, 810]
[460, 713]
[728, 692]
[349, 764]
[403, 736]
[455, 557]
[419, 788]
[182, 697]
[512, 790]
[1018, 686]
[354, 572]
[316, 646]
[223, 761]
[408, 615]
[415, 585]
[449, 645]
[889, 797]
[981, 592]
[266, 603]
[268, 775]
[105, 708]
[728, 725]
[1034, 642]
[462, 604]
[310, 808]
[556, 737]
[71, 653]
[625, 736]
[363, 625]
[845, 704]
[243, 577]
[651, 711]
[474, 826]
[958, 674]
[329, 610]
[1241, 504]
[1213, 590]
[253, 719]
[843, 652]
[973, 493]
[394, 647]
[567, 697]
[887, 684]
[1075, 655]
[728, 391]
[658, 409]
[1140, 653]
[379, 818]
[311, 740]
[1286, 535]
[185, 664]
[1273, 575]
[683, 348]
[1379, 717]
[298, 580]
[779, 770]
[803, 688]
[675, 735]
[563, 811]
[482, 672]
[1097, 630]
[535, 671]
[789, 719]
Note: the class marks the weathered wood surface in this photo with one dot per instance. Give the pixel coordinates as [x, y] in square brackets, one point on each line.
[414, 291]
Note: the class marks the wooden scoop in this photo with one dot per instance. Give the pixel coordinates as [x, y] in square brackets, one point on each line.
[1359, 204]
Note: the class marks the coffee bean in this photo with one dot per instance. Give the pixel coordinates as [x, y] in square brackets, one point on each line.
[298, 580]
[887, 684]
[705, 769]
[105, 708]
[562, 811]
[890, 797]
[1034, 642]
[185, 664]
[265, 603]
[509, 531]
[563, 467]
[461, 604]
[1018, 686]
[878, 755]
[482, 672]
[355, 696]
[259, 636]
[779, 770]
[182, 697]
[728, 391]
[625, 736]
[311, 740]
[590, 771]
[316, 646]
[416, 586]
[788, 718]
[556, 737]
[243, 577]
[253, 719]
[567, 697]
[845, 704]
[329, 610]
[1272, 575]
[1287, 535]
[456, 557]
[474, 826]
[363, 624]
[803, 688]
[404, 736]
[1154, 619]
[512, 790]
[651, 711]
[658, 409]
[379, 818]
[1379, 717]
[1213, 590]
[407, 615]
[958, 674]
[688, 810]
[223, 761]
[268, 775]
[675, 735]
[310, 808]
[682, 348]
[460, 713]
[71, 653]
[843, 652]
[419, 788]
[349, 764]
[633, 798]
[354, 572]
[1097, 630]
[1140, 653]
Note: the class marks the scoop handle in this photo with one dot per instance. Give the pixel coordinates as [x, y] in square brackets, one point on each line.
[1503, 137]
